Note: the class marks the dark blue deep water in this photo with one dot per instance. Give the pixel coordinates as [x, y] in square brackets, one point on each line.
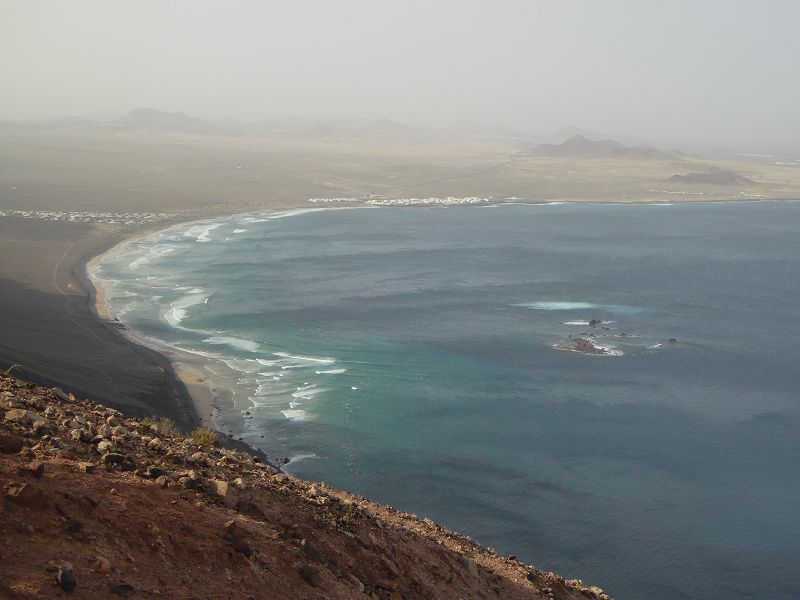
[407, 355]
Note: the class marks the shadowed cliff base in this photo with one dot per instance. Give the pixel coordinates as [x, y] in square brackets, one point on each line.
[56, 340]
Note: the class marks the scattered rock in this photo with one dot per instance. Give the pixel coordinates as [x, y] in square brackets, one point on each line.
[21, 416]
[114, 460]
[120, 588]
[162, 482]
[391, 567]
[312, 575]
[10, 444]
[356, 583]
[66, 579]
[366, 538]
[36, 467]
[105, 446]
[102, 564]
[198, 458]
[310, 550]
[469, 564]
[230, 527]
[242, 547]
[27, 495]
[40, 425]
[23, 527]
[151, 472]
[60, 394]
[225, 491]
[85, 467]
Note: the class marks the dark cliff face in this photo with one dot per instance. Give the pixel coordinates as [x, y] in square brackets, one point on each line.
[100, 505]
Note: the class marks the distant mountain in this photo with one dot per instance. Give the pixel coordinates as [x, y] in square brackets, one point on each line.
[566, 133]
[580, 146]
[150, 118]
[714, 175]
[389, 128]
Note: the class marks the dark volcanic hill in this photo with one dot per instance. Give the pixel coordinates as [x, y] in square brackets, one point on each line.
[580, 146]
[714, 175]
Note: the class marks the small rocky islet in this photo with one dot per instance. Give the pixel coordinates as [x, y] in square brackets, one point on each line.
[586, 342]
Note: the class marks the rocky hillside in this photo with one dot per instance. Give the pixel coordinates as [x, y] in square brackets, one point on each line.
[97, 505]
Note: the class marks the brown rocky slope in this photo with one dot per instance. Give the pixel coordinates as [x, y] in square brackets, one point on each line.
[97, 505]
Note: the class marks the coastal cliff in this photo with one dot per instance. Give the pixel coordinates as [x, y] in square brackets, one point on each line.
[97, 505]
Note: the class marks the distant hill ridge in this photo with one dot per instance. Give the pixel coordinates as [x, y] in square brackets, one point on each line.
[580, 146]
[150, 118]
[153, 119]
[714, 176]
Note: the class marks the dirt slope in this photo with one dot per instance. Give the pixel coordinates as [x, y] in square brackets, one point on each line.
[100, 506]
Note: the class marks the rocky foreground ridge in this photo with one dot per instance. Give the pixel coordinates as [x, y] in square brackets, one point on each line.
[97, 505]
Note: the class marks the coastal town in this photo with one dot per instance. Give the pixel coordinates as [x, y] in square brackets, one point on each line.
[110, 218]
[375, 200]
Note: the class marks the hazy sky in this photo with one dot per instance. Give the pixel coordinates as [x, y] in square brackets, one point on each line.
[709, 71]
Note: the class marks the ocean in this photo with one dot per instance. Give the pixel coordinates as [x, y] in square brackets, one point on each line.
[408, 354]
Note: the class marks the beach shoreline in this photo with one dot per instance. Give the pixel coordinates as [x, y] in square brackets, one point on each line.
[197, 387]
[197, 392]
[186, 368]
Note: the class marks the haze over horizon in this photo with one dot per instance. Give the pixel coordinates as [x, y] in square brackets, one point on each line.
[683, 73]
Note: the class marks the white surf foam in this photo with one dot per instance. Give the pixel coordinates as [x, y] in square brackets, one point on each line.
[292, 213]
[242, 365]
[135, 264]
[295, 414]
[568, 305]
[239, 230]
[331, 372]
[576, 322]
[177, 309]
[326, 361]
[307, 392]
[558, 305]
[297, 458]
[201, 233]
[234, 342]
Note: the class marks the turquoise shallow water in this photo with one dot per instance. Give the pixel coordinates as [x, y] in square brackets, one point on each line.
[407, 354]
